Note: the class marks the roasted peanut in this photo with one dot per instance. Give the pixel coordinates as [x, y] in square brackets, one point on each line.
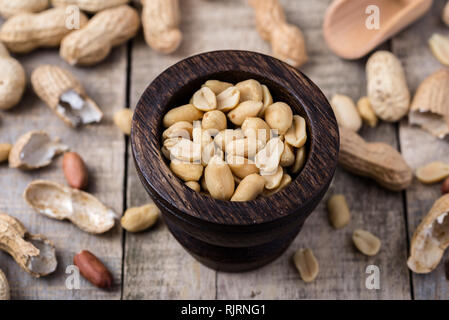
[219, 179]
[244, 110]
[279, 116]
[93, 269]
[140, 218]
[337, 207]
[346, 112]
[228, 99]
[249, 188]
[297, 134]
[186, 171]
[91, 6]
[160, 19]
[214, 119]
[433, 172]
[366, 242]
[256, 128]
[300, 159]
[287, 156]
[11, 8]
[194, 185]
[247, 147]
[183, 149]
[306, 264]
[267, 100]
[28, 31]
[250, 90]
[183, 113]
[226, 136]
[181, 129]
[204, 99]
[123, 120]
[5, 148]
[285, 181]
[12, 80]
[378, 161]
[240, 166]
[386, 86]
[217, 86]
[75, 170]
[93, 42]
[287, 41]
[267, 159]
[366, 112]
[272, 181]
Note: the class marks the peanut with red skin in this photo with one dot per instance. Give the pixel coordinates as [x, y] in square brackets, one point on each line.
[75, 170]
[93, 269]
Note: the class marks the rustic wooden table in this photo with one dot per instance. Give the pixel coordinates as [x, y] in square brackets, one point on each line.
[151, 265]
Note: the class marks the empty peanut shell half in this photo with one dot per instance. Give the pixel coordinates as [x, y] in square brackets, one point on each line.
[429, 108]
[65, 95]
[60, 202]
[430, 238]
[34, 253]
[34, 150]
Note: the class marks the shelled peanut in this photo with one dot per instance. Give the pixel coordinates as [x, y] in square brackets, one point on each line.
[235, 140]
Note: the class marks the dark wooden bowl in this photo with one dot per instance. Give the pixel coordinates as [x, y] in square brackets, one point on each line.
[225, 235]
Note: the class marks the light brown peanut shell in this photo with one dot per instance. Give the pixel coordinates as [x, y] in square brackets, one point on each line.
[160, 19]
[33, 253]
[10, 8]
[387, 87]
[429, 108]
[12, 80]
[430, 238]
[60, 202]
[93, 42]
[307, 264]
[4, 287]
[65, 95]
[91, 6]
[378, 161]
[28, 31]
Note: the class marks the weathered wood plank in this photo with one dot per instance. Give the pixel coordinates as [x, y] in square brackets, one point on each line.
[342, 269]
[102, 147]
[230, 25]
[419, 147]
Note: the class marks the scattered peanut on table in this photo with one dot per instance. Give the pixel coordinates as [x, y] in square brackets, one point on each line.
[307, 264]
[339, 215]
[140, 218]
[93, 269]
[366, 242]
[75, 170]
[123, 120]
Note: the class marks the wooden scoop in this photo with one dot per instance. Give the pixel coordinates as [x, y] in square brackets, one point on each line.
[345, 29]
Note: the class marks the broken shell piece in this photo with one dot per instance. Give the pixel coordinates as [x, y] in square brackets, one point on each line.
[429, 108]
[65, 95]
[4, 287]
[431, 238]
[34, 253]
[34, 150]
[60, 202]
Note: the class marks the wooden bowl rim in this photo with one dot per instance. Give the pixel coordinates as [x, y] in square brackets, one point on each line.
[171, 193]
